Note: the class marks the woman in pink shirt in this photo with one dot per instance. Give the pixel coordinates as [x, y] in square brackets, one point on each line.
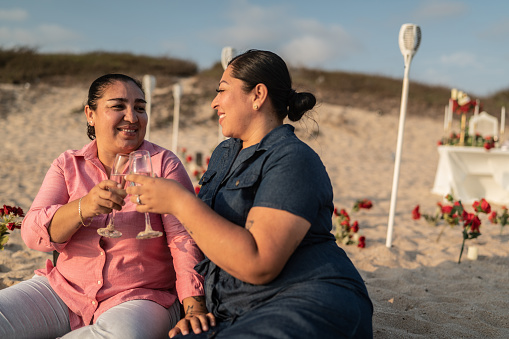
[104, 287]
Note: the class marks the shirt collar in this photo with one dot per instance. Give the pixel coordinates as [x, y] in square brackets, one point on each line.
[277, 134]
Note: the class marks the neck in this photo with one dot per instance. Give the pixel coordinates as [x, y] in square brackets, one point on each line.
[259, 133]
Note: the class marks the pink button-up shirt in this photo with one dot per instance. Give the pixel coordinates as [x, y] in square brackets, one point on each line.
[94, 273]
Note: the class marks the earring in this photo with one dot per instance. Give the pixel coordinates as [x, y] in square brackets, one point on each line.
[255, 107]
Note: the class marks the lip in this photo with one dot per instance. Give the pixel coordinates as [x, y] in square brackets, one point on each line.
[128, 130]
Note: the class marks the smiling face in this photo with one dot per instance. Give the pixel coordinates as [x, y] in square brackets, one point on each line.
[120, 120]
[234, 107]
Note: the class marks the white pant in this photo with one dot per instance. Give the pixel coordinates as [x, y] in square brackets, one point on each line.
[31, 309]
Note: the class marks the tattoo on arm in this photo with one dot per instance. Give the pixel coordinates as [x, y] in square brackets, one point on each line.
[189, 310]
[249, 224]
[200, 305]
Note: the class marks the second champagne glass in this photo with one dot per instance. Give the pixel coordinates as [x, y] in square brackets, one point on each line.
[118, 172]
[140, 163]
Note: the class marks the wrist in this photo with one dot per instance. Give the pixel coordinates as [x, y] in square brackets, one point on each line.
[80, 214]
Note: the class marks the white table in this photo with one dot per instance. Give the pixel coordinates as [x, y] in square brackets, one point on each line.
[472, 173]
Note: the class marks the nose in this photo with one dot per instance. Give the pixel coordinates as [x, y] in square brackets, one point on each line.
[130, 114]
[214, 102]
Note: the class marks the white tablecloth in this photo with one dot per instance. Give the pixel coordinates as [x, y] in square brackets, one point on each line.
[472, 173]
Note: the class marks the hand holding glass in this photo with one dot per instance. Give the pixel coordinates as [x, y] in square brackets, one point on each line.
[118, 172]
[140, 163]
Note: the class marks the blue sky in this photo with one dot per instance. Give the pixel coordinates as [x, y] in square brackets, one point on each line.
[464, 43]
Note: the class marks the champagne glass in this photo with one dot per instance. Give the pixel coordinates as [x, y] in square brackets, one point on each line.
[140, 163]
[118, 172]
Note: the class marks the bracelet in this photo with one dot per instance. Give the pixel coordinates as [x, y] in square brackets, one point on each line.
[81, 217]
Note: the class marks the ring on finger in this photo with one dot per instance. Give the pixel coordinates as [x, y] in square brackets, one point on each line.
[138, 201]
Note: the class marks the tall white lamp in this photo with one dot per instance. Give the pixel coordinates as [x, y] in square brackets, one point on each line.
[227, 54]
[177, 93]
[149, 84]
[409, 41]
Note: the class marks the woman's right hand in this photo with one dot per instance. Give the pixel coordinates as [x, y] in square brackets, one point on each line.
[198, 323]
[102, 199]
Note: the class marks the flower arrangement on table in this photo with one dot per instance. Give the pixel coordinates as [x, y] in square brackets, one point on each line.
[454, 214]
[477, 140]
[10, 219]
[346, 231]
[460, 103]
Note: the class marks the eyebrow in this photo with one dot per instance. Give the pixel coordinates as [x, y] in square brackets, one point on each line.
[125, 100]
[223, 81]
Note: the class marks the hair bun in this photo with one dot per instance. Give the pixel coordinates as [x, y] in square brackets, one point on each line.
[299, 103]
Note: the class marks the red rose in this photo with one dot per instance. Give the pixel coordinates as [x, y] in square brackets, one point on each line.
[493, 217]
[415, 213]
[344, 213]
[19, 212]
[446, 209]
[197, 189]
[362, 242]
[336, 211]
[482, 206]
[475, 225]
[189, 158]
[367, 204]
[355, 227]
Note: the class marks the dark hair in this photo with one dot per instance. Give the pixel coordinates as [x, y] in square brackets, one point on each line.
[263, 67]
[97, 89]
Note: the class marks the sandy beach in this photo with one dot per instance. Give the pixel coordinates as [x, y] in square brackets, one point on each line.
[417, 287]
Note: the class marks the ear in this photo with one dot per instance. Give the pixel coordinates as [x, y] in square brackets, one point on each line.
[260, 95]
[89, 114]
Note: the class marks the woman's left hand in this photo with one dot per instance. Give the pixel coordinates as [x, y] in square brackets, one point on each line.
[156, 195]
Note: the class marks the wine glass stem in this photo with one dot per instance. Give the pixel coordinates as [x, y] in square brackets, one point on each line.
[111, 224]
[148, 227]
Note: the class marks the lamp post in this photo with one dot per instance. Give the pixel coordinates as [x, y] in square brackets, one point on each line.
[409, 41]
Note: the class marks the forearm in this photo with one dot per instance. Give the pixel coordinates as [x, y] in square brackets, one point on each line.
[231, 247]
[65, 222]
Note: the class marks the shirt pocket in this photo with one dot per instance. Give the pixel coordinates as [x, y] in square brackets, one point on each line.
[239, 195]
[207, 190]
[244, 185]
[207, 177]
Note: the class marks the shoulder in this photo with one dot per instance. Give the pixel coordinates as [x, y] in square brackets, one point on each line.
[293, 149]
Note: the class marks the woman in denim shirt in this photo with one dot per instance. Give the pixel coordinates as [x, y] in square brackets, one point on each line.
[263, 220]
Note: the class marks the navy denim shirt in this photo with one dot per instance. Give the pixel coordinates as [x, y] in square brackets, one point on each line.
[280, 172]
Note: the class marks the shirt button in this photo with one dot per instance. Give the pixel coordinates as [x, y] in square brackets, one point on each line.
[99, 282]
[102, 253]
[93, 302]
[237, 183]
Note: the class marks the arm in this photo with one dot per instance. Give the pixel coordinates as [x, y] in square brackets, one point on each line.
[255, 254]
[52, 218]
[101, 199]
